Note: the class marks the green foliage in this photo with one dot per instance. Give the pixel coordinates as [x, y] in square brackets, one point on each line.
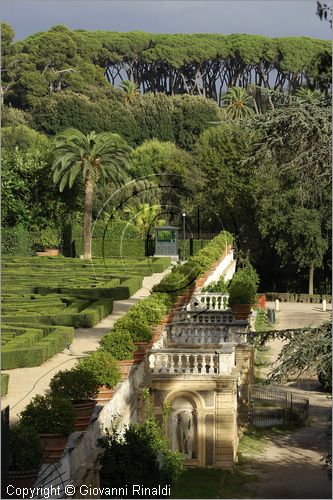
[47, 238]
[220, 286]
[293, 150]
[4, 384]
[36, 344]
[23, 138]
[135, 326]
[119, 344]
[54, 113]
[16, 241]
[28, 196]
[243, 286]
[307, 351]
[224, 183]
[75, 385]
[12, 117]
[297, 297]
[25, 450]
[237, 102]
[49, 415]
[103, 366]
[122, 461]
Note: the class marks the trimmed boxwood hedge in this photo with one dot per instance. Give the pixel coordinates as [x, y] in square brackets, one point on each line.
[51, 339]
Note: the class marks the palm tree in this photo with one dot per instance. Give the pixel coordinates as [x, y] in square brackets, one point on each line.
[98, 158]
[131, 89]
[237, 102]
[144, 216]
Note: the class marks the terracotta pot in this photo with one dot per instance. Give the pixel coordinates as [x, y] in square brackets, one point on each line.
[48, 252]
[124, 368]
[241, 311]
[53, 447]
[104, 394]
[83, 412]
[23, 479]
[138, 356]
[141, 345]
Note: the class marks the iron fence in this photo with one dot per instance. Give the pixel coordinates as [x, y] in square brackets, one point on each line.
[272, 407]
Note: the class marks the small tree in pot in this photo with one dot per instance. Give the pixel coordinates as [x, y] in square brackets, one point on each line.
[25, 455]
[242, 292]
[80, 387]
[53, 419]
[121, 346]
[105, 368]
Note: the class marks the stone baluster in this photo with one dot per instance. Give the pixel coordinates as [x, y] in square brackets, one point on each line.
[187, 363]
[211, 363]
[163, 363]
[171, 364]
[195, 363]
[203, 339]
[151, 360]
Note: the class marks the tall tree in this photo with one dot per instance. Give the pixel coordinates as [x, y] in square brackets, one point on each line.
[98, 158]
[291, 184]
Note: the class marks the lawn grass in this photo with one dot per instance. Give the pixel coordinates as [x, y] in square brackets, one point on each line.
[212, 483]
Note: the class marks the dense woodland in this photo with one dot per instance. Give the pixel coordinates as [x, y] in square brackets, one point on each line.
[237, 125]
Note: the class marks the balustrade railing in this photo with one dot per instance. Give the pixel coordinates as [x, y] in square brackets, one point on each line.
[209, 302]
[208, 334]
[168, 362]
[204, 317]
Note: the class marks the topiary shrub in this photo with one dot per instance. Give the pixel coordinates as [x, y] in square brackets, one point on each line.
[48, 414]
[119, 344]
[137, 328]
[243, 287]
[75, 385]
[104, 367]
[25, 450]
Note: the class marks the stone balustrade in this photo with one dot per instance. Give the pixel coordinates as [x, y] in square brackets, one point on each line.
[208, 334]
[208, 302]
[185, 362]
[204, 317]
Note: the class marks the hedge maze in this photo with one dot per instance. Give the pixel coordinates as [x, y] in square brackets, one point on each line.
[44, 299]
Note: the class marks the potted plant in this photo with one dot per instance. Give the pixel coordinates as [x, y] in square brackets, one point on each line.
[48, 240]
[103, 365]
[25, 456]
[80, 387]
[120, 345]
[242, 292]
[53, 419]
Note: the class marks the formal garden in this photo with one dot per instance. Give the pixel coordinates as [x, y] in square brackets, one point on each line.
[223, 140]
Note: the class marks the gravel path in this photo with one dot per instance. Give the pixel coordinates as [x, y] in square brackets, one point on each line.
[290, 466]
[25, 383]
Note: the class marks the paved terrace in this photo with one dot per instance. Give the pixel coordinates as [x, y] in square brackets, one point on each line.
[25, 383]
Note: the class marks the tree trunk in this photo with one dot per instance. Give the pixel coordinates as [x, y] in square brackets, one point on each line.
[88, 198]
[311, 273]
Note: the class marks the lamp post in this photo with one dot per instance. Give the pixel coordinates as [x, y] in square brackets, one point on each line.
[184, 215]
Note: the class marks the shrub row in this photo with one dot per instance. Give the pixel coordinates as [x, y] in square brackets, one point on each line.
[298, 297]
[137, 325]
[48, 341]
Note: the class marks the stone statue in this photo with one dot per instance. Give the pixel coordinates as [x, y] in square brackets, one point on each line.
[185, 432]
